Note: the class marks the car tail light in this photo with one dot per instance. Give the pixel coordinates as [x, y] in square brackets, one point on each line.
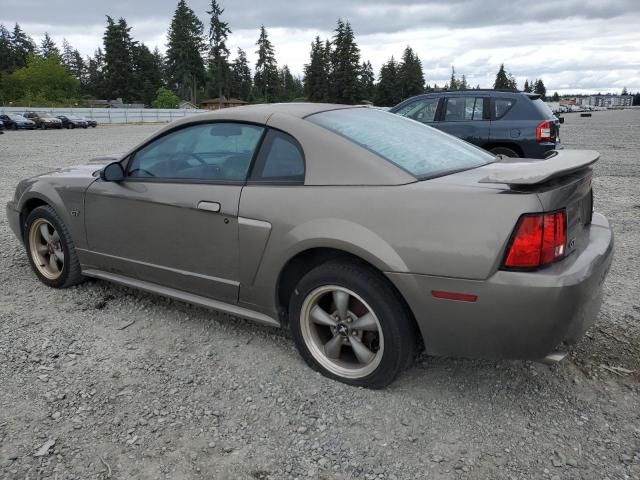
[543, 131]
[539, 239]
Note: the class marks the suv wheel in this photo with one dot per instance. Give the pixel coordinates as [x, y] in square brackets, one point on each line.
[350, 326]
[504, 151]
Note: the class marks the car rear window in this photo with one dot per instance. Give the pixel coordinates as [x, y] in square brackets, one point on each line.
[421, 150]
[543, 109]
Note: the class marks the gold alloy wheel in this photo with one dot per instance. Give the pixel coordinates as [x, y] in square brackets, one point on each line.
[46, 249]
[342, 332]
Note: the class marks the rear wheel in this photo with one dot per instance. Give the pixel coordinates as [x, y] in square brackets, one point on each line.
[350, 326]
[504, 151]
[50, 249]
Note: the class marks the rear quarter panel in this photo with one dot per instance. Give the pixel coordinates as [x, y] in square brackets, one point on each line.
[429, 227]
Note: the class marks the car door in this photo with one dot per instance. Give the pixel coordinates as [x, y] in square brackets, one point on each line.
[466, 117]
[423, 110]
[173, 220]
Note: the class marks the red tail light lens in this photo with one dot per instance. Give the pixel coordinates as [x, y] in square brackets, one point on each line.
[543, 131]
[539, 239]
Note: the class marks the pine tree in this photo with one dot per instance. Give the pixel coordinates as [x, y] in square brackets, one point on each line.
[502, 80]
[540, 89]
[23, 46]
[7, 58]
[119, 65]
[453, 81]
[48, 47]
[410, 74]
[94, 84]
[241, 77]
[316, 73]
[218, 65]
[556, 97]
[624, 91]
[148, 74]
[367, 82]
[388, 90]
[66, 56]
[527, 88]
[345, 66]
[265, 79]
[184, 65]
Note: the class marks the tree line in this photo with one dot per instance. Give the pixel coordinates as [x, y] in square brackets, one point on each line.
[197, 64]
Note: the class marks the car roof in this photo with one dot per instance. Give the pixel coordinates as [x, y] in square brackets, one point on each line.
[330, 159]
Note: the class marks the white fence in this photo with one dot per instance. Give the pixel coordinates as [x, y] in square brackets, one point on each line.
[112, 115]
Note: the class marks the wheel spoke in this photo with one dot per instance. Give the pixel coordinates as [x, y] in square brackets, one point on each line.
[366, 322]
[53, 264]
[319, 316]
[59, 254]
[44, 231]
[41, 249]
[55, 238]
[341, 299]
[360, 350]
[333, 347]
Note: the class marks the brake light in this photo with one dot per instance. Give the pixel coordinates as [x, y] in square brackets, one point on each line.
[539, 239]
[543, 131]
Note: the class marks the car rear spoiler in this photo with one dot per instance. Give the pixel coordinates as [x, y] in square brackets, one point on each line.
[529, 171]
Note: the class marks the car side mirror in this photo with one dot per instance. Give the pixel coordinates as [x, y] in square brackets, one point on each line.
[112, 172]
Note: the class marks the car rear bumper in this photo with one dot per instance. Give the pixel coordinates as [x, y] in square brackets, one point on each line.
[522, 315]
[13, 217]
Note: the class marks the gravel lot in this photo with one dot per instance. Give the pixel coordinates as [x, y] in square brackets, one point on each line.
[188, 393]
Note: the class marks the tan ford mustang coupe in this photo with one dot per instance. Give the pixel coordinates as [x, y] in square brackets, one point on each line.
[369, 235]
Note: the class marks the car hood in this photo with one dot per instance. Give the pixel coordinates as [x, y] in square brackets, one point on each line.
[87, 170]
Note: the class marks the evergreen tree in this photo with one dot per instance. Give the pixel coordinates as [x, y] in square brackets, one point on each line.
[7, 58]
[48, 47]
[527, 87]
[22, 45]
[119, 66]
[453, 81]
[388, 88]
[94, 83]
[540, 89]
[66, 57]
[148, 73]
[636, 99]
[184, 65]
[410, 74]
[502, 80]
[367, 82]
[265, 79]
[463, 83]
[72, 60]
[345, 66]
[556, 97]
[316, 73]
[240, 77]
[218, 65]
[287, 87]
[624, 91]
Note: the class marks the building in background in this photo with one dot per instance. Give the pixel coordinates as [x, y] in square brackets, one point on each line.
[221, 102]
[606, 101]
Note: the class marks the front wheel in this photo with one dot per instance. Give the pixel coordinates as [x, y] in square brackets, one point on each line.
[50, 249]
[351, 326]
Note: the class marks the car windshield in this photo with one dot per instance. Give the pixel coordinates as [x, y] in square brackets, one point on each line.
[73, 117]
[419, 149]
[45, 115]
[17, 118]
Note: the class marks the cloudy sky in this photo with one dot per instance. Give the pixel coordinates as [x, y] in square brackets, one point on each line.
[586, 46]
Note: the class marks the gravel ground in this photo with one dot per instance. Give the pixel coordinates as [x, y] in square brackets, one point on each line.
[188, 393]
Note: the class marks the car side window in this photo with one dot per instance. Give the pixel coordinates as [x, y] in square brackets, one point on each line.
[209, 152]
[280, 160]
[501, 106]
[463, 109]
[423, 110]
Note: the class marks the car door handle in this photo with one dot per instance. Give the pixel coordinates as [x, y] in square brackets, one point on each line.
[209, 206]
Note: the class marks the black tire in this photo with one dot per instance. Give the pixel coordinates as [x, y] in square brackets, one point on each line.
[70, 273]
[43, 126]
[398, 327]
[14, 126]
[505, 152]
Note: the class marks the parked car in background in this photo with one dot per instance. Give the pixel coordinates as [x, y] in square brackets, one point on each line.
[1, 126]
[513, 124]
[90, 122]
[367, 234]
[71, 121]
[44, 120]
[15, 121]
